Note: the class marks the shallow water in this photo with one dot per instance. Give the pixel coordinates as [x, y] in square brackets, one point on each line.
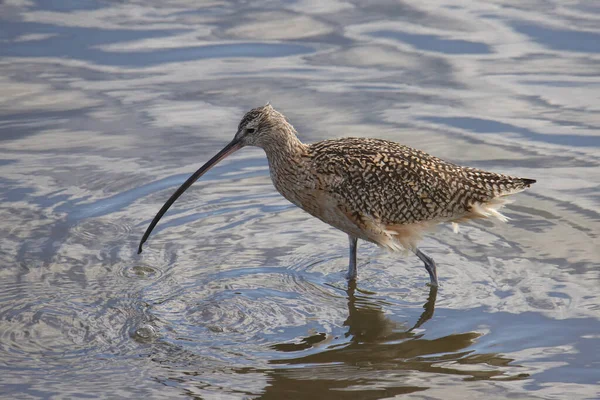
[106, 107]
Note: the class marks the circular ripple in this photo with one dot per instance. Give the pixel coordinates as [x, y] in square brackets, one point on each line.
[64, 328]
[144, 272]
[92, 231]
[145, 333]
[247, 311]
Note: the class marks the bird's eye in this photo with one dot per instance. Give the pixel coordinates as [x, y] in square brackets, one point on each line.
[250, 130]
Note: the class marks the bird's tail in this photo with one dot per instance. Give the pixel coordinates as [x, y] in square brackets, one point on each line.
[511, 185]
[499, 186]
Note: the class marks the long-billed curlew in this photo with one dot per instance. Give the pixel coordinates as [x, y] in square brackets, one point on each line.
[375, 190]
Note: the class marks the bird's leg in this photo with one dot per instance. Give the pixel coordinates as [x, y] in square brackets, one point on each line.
[351, 275]
[429, 266]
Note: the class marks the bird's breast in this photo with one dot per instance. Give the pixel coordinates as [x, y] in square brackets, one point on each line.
[293, 183]
[312, 194]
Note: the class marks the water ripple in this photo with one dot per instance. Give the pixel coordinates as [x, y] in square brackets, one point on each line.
[109, 106]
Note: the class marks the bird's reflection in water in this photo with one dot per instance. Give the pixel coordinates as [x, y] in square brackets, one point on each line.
[379, 359]
[367, 322]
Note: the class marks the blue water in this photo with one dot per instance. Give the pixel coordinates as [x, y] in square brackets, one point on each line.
[435, 43]
[83, 44]
[107, 107]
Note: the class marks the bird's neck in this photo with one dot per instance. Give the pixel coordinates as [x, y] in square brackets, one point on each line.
[284, 148]
[288, 165]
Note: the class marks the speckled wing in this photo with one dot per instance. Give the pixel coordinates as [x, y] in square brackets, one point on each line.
[385, 180]
[396, 184]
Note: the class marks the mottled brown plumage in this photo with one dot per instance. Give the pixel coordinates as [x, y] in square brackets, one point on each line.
[371, 189]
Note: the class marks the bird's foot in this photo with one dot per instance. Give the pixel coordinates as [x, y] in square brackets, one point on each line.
[351, 275]
[352, 270]
[430, 267]
[432, 270]
[433, 283]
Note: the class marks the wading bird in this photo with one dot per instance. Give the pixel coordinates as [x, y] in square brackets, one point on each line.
[371, 189]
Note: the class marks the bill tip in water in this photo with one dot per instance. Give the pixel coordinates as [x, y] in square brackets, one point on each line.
[140, 249]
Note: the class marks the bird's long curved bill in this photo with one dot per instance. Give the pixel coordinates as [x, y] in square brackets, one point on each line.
[230, 148]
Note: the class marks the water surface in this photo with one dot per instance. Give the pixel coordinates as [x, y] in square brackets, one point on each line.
[106, 107]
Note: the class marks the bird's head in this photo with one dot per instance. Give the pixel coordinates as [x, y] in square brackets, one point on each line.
[261, 126]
